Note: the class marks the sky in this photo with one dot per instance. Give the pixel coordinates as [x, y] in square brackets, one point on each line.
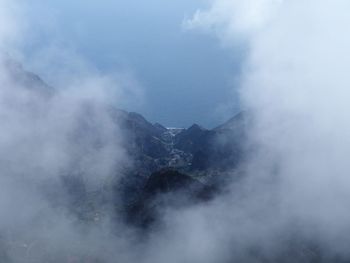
[185, 76]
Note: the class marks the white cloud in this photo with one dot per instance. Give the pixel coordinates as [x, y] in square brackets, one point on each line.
[296, 85]
[233, 19]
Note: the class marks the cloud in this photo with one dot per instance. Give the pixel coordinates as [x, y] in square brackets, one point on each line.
[49, 139]
[295, 85]
[233, 19]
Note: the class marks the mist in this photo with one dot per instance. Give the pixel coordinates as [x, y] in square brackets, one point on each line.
[295, 86]
[286, 202]
[49, 137]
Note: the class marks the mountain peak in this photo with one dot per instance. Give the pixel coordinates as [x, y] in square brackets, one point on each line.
[196, 127]
[23, 79]
[233, 123]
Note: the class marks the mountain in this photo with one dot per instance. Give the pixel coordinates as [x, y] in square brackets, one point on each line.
[171, 168]
[185, 163]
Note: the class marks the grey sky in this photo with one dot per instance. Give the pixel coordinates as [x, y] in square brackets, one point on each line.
[186, 76]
